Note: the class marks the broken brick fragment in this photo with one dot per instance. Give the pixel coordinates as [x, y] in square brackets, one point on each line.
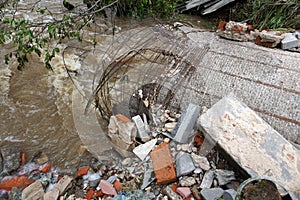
[23, 158]
[82, 171]
[117, 185]
[9, 182]
[222, 25]
[123, 118]
[99, 193]
[45, 167]
[198, 140]
[174, 187]
[90, 194]
[163, 165]
[258, 41]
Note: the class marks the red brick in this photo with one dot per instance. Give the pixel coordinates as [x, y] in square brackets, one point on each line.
[99, 193]
[90, 194]
[23, 158]
[82, 171]
[222, 25]
[199, 140]
[117, 185]
[123, 118]
[174, 187]
[163, 164]
[259, 42]
[15, 181]
[45, 167]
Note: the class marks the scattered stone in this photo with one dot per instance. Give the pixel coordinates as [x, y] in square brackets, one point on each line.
[229, 194]
[163, 164]
[107, 188]
[122, 134]
[187, 181]
[207, 179]
[198, 171]
[63, 184]
[224, 176]
[142, 133]
[289, 41]
[186, 123]
[148, 178]
[185, 192]
[195, 193]
[184, 164]
[170, 126]
[126, 161]
[94, 179]
[11, 159]
[143, 150]
[112, 179]
[147, 127]
[264, 151]
[211, 193]
[42, 158]
[171, 194]
[52, 194]
[200, 161]
[33, 191]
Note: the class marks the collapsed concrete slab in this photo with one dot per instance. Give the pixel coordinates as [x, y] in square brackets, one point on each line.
[252, 143]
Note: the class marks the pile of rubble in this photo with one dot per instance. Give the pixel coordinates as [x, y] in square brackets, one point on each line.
[171, 159]
[268, 38]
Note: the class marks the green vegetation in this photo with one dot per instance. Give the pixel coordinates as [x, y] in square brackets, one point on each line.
[269, 14]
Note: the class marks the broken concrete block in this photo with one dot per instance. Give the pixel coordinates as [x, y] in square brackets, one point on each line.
[63, 184]
[186, 123]
[207, 179]
[143, 150]
[33, 191]
[267, 38]
[163, 164]
[52, 194]
[184, 164]
[122, 133]
[289, 41]
[224, 176]
[211, 193]
[252, 143]
[142, 133]
[200, 161]
[229, 194]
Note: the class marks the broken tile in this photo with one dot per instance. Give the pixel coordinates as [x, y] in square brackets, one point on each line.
[186, 123]
[148, 178]
[107, 187]
[33, 191]
[224, 176]
[264, 152]
[142, 133]
[143, 150]
[207, 179]
[289, 41]
[184, 164]
[185, 192]
[163, 164]
[211, 193]
[200, 161]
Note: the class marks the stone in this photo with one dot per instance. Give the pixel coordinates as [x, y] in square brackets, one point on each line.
[224, 176]
[143, 150]
[184, 164]
[11, 159]
[264, 152]
[147, 127]
[187, 181]
[229, 194]
[142, 133]
[148, 178]
[200, 161]
[122, 134]
[170, 126]
[112, 179]
[52, 194]
[207, 179]
[127, 161]
[163, 164]
[171, 194]
[289, 41]
[186, 123]
[107, 188]
[268, 38]
[94, 179]
[185, 192]
[211, 193]
[63, 184]
[42, 158]
[198, 171]
[34, 191]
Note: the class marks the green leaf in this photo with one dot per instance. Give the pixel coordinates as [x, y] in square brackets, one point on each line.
[6, 20]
